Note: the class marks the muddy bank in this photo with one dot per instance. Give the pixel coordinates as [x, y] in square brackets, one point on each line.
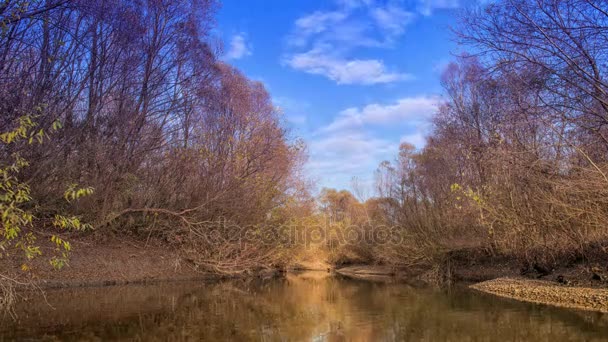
[547, 292]
[112, 262]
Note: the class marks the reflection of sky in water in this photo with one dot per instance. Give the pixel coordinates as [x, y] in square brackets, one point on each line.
[307, 307]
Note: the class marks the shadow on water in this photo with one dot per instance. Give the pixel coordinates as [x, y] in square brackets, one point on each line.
[309, 306]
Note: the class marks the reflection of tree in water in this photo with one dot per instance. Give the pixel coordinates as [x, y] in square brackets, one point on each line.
[462, 315]
[300, 307]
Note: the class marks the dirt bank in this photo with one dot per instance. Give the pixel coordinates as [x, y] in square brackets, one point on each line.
[110, 262]
[547, 292]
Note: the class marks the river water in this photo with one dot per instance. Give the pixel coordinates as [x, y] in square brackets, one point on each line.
[311, 306]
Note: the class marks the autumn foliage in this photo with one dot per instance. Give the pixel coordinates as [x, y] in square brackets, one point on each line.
[517, 160]
[169, 137]
[171, 140]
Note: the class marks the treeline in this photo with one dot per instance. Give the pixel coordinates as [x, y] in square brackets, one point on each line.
[119, 115]
[517, 161]
[133, 108]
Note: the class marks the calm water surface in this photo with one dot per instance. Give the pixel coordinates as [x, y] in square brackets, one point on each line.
[306, 307]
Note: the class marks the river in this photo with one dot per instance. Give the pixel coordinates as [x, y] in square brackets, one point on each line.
[311, 306]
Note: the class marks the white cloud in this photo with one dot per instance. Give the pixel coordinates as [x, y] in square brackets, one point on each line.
[343, 71]
[356, 141]
[407, 110]
[238, 47]
[324, 42]
[349, 153]
[340, 29]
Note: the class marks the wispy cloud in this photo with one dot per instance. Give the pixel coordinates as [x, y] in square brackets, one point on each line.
[315, 23]
[238, 47]
[348, 154]
[325, 42]
[355, 142]
[392, 19]
[343, 71]
[409, 110]
[346, 43]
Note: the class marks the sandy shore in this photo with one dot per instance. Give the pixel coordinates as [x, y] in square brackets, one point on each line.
[546, 292]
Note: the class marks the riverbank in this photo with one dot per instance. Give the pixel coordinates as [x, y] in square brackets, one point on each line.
[130, 261]
[579, 286]
[112, 262]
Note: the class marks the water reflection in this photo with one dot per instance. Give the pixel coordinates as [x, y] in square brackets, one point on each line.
[306, 307]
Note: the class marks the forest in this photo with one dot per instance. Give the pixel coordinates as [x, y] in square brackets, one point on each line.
[119, 118]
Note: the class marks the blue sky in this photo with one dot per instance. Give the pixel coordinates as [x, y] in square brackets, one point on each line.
[354, 78]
